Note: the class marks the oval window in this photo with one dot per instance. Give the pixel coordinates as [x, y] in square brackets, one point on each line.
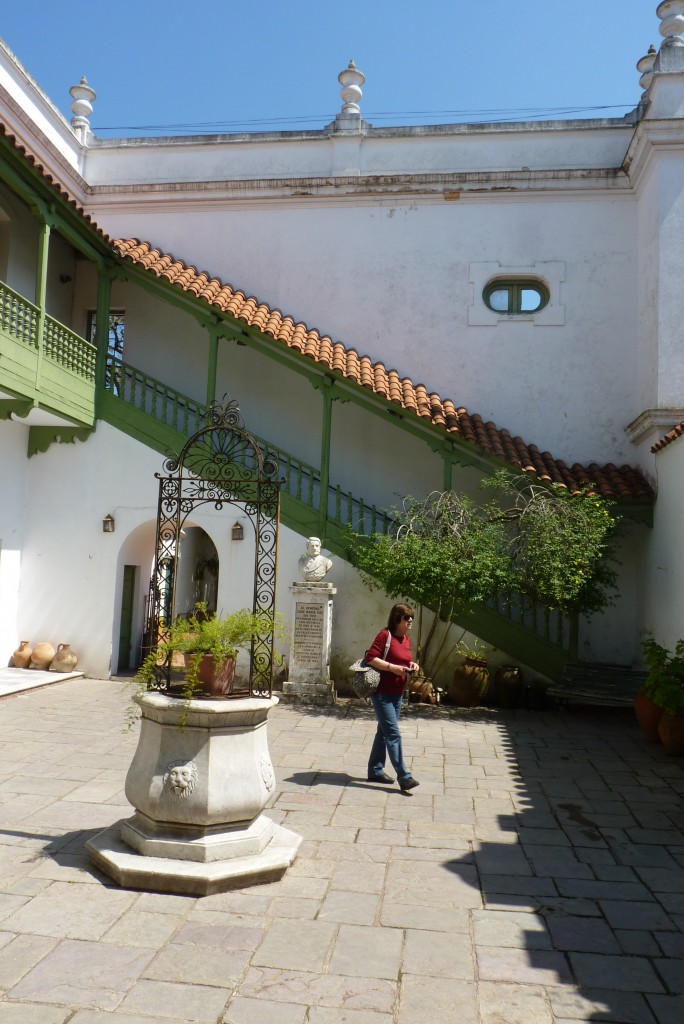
[515, 298]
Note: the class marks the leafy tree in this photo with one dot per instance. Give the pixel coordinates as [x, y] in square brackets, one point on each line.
[449, 553]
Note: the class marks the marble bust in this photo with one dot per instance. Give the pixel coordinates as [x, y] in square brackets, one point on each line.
[313, 566]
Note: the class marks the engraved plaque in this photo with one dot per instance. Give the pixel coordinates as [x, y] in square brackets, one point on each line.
[307, 649]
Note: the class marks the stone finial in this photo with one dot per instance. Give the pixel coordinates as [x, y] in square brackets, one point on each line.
[671, 14]
[82, 107]
[645, 67]
[351, 80]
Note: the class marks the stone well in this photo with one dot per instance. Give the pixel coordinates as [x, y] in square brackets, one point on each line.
[199, 781]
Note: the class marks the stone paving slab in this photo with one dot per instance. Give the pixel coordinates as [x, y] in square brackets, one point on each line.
[536, 876]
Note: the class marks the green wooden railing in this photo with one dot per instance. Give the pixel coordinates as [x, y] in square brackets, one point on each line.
[44, 361]
[164, 418]
[18, 317]
[67, 349]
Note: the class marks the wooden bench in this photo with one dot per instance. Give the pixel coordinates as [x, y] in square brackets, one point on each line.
[602, 685]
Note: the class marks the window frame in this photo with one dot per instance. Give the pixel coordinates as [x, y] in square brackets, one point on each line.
[515, 287]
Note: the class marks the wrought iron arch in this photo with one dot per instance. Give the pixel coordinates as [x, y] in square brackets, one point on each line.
[219, 465]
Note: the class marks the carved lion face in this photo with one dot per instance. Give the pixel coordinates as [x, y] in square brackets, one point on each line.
[181, 778]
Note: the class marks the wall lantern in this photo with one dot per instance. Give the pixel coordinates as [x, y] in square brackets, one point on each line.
[108, 524]
[237, 533]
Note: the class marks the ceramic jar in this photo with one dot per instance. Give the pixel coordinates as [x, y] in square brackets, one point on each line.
[648, 716]
[508, 686]
[64, 660]
[470, 683]
[42, 655]
[22, 656]
[671, 730]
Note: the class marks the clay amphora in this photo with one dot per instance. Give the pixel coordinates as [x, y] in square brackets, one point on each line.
[508, 686]
[64, 660]
[43, 653]
[648, 716]
[470, 683]
[22, 655]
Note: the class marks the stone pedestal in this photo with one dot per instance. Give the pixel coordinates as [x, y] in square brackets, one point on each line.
[309, 679]
[199, 781]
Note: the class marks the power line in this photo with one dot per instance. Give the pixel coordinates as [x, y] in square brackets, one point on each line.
[493, 115]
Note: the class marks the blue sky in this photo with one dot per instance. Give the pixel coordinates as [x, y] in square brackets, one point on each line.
[268, 65]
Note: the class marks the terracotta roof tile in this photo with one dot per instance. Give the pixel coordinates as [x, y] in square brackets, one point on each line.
[672, 435]
[33, 162]
[609, 481]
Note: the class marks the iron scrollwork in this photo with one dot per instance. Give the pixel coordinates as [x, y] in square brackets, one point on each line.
[221, 464]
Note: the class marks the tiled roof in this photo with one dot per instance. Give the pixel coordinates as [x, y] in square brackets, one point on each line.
[61, 191]
[672, 435]
[610, 481]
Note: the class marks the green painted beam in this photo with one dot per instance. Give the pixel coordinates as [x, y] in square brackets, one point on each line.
[40, 438]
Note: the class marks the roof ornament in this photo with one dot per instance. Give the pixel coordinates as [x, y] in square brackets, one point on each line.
[349, 117]
[645, 67]
[351, 80]
[82, 108]
[671, 14]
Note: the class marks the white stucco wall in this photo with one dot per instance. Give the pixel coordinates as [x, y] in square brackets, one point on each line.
[21, 239]
[13, 497]
[440, 148]
[70, 590]
[392, 279]
[662, 567]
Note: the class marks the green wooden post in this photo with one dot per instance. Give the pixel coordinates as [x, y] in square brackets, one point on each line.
[212, 362]
[41, 291]
[447, 480]
[326, 391]
[104, 287]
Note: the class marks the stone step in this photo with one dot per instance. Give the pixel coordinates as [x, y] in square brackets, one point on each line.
[595, 683]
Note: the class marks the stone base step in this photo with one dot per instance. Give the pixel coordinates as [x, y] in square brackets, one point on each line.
[594, 683]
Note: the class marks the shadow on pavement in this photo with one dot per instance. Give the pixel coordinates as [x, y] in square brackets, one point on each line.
[588, 874]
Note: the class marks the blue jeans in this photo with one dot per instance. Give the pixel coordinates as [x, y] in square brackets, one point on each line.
[387, 738]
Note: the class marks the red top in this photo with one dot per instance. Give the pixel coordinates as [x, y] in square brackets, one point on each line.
[399, 654]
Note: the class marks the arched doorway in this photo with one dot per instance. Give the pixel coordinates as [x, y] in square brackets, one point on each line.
[219, 465]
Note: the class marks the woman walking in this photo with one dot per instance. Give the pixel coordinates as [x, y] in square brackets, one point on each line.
[394, 661]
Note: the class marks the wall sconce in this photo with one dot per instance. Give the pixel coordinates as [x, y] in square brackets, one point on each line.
[108, 524]
[237, 533]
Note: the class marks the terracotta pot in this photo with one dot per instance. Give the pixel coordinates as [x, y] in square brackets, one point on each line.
[215, 680]
[671, 729]
[470, 683]
[43, 653]
[22, 656]
[648, 716]
[64, 660]
[421, 690]
[508, 686]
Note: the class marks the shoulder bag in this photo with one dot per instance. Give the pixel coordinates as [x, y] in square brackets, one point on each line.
[365, 679]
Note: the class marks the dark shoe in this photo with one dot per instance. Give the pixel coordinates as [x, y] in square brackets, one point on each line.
[410, 783]
[383, 777]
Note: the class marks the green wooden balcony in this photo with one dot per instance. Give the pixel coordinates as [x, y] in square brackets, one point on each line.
[163, 418]
[45, 363]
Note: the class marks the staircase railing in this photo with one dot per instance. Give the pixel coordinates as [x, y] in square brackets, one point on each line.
[302, 484]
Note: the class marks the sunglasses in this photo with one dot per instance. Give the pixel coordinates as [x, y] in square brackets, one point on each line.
[407, 618]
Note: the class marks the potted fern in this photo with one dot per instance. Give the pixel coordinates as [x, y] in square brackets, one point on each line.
[206, 646]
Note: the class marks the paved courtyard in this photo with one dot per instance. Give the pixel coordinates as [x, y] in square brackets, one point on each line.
[536, 876]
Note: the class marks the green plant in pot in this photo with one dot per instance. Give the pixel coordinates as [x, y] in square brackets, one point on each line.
[664, 687]
[471, 678]
[208, 645]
